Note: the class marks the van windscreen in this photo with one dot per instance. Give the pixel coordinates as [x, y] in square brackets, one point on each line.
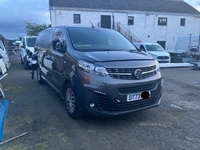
[154, 48]
[30, 42]
[94, 39]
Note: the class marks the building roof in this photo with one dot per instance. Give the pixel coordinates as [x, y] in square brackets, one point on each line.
[169, 6]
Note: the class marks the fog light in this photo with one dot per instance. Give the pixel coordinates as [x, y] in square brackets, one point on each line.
[92, 105]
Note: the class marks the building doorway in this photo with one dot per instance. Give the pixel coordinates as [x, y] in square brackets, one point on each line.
[106, 21]
[162, 43]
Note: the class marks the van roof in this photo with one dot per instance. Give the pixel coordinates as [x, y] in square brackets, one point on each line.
[30, 36]
[146, 43]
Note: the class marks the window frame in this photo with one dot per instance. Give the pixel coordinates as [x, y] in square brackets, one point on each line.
[182, 22]
[130, 20]
[162, 21]
[75, 19]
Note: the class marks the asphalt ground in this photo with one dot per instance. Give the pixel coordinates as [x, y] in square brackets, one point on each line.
[38, 111]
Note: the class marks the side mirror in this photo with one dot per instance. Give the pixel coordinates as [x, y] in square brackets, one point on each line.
[143, 50]
[22, 46]
[59, 46]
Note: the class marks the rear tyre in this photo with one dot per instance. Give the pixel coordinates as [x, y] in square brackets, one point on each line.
[26, 63]
[73, 105]
[22, 62]
[39, 76]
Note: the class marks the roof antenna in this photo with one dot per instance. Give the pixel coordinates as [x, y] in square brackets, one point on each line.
[91, 24]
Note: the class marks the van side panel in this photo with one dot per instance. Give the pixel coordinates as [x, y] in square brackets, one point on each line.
[183, 42]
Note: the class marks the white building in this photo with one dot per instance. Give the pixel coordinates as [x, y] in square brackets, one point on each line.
[160, 21]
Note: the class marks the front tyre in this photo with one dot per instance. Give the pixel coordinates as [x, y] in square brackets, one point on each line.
[22, 62]
[73, 105]
[26, 63]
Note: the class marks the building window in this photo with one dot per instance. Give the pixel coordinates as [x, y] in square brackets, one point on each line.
[77, 18]
[182, 23]
[130, 20]
[162, 21]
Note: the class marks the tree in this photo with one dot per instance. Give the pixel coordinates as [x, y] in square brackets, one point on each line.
[1, 37]
[33, 29]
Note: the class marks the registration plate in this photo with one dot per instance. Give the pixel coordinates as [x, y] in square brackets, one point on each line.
[134, 97]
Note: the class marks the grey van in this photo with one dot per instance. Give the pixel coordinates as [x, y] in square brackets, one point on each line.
[97, 71]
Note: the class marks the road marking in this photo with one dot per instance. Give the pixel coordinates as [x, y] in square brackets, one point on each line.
[185, 104]
[175, 106]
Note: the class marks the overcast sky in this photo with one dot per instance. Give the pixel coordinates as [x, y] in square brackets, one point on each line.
[13, 13]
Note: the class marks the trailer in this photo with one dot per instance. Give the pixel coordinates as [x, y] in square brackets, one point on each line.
[187, 50]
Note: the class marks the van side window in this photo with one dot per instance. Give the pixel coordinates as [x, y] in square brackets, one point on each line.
[182, 22]
[58, 33]
[44, 38]
[142, 48]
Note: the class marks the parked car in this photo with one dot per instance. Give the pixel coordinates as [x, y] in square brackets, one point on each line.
[4, 55]
[26, 49]
[156, 50]
[97, 71]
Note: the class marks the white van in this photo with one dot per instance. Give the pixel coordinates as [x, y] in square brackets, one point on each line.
[4, 54]
[26, 46]
[187, 42]
[156, 50]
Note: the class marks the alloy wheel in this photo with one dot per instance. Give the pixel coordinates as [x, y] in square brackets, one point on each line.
[70, 100]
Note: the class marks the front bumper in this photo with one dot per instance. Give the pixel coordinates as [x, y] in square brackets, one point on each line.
[110, 99]
[164, 60]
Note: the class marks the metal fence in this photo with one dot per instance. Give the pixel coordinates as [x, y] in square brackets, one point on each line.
[123, 30]
[12, 49]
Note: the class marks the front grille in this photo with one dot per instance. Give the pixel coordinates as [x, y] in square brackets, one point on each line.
[133, 105]
[163, 61]
[105, 104]
[135, 89]
[104, 101]
[128, 73]
[163, 57]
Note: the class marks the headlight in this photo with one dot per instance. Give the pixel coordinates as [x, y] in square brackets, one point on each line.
[157, 66]
[101, 71]
[89, 67]
[86, 66]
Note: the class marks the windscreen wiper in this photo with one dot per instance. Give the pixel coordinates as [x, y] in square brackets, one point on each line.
[106, 50]
[134, 50]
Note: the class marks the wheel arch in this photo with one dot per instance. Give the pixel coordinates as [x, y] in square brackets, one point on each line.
[64, 86]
